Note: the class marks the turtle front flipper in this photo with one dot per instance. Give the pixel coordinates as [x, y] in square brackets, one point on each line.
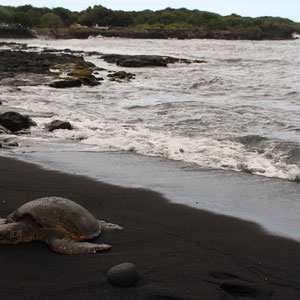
[109, 226]
[67, 246]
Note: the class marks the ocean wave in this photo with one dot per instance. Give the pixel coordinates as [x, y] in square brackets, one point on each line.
[253, 154]
[228, 114]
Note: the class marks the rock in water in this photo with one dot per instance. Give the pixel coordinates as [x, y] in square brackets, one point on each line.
[124, 274]
[121, 75]
[57, 124]
[66, 84]
[14, 121]
[137, 61]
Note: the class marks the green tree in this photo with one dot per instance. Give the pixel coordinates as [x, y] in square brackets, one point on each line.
[35, 16]
[21, 18]
[24, 8]
[51, 20]
[68, 18]
[5, 16]
[122, 19]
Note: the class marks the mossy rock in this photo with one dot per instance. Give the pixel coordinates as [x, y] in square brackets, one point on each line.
[78, 71]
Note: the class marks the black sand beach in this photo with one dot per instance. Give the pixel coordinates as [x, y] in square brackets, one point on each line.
[180, 252]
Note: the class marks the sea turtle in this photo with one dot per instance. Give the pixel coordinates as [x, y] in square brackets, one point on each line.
[59, 222]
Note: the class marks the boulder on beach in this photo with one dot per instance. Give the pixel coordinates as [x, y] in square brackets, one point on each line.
[14, 121]
[124, 274]
[58, 124]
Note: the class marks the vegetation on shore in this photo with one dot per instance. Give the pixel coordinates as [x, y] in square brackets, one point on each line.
[28, 16]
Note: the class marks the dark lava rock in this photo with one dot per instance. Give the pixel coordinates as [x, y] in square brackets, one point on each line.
[14, 121]
[66, 83]
[121, 75]
[89, 80]
[13, 63]
[124, 274]
[136, 61]
[57, 124]
[16, 62]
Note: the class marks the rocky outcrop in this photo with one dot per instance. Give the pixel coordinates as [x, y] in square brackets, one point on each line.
[57, 124]
[16, 63]
[137, 61]
[14, 121]
[78, 72]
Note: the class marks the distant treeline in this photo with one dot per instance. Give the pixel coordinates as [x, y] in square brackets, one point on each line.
[28, 16]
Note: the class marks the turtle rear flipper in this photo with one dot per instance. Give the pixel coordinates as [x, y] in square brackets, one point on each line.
[67, 246]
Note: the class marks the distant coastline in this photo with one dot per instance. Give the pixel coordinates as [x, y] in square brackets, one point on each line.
[28, 21]
[194, 33]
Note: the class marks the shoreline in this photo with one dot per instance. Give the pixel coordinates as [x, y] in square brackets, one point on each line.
[265, 201]
[180, 252]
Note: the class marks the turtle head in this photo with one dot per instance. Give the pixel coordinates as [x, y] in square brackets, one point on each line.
[11, 233]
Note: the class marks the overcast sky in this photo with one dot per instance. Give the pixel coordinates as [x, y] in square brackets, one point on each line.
[253, 8]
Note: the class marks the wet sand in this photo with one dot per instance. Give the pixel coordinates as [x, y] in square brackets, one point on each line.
[180, 252]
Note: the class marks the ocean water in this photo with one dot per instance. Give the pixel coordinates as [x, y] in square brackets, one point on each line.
[239, 111]
[222, 135]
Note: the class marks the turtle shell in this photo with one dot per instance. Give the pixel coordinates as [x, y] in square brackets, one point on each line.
[62, 214]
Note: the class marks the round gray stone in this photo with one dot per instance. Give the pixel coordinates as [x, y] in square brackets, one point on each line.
[124, 274]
